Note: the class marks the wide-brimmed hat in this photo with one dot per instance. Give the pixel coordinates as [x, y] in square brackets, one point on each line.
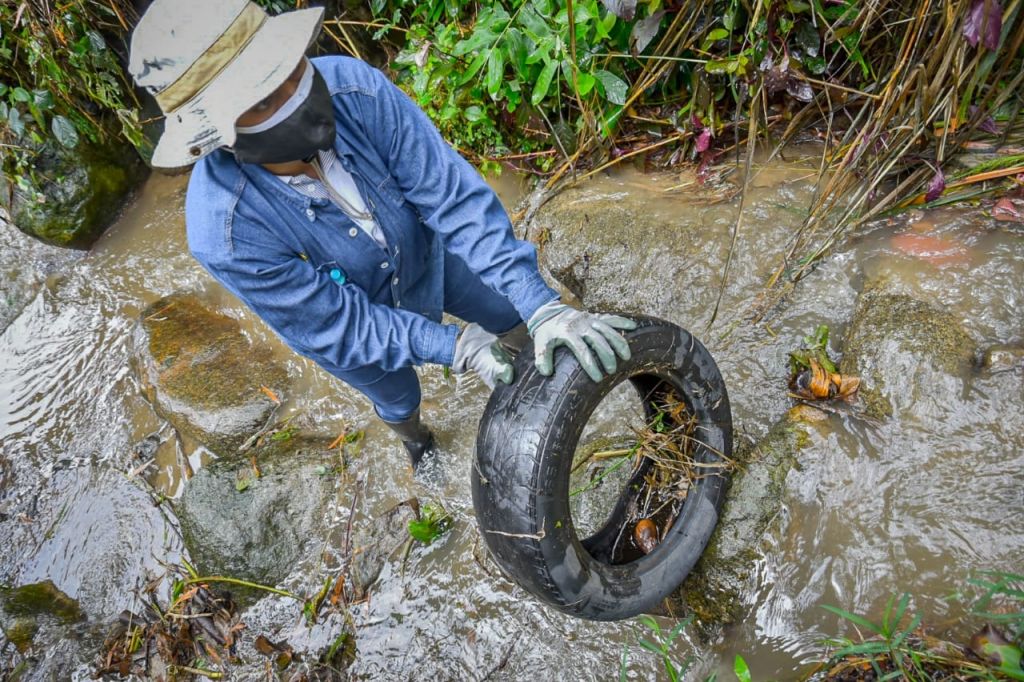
[207, 61]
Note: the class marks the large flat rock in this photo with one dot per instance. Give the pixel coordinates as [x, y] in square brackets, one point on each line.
[202, 374]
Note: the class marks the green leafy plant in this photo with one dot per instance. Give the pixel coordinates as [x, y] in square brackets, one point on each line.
[897, 647]
[661, 646]
[61, 82]
[432, 522]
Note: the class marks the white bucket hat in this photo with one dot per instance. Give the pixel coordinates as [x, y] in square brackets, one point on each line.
[207, 61]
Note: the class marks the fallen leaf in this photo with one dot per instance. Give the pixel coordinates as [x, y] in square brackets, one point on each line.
[984, 23]
[703, 140]
[931, 248]
[991, 646]
[270, 394]
[255, 467]
[644, 31]
[623, 9]
[646, 535]
[338, 592]
[936, 186]
[338, 441]
[846, 386]
[1007, 211]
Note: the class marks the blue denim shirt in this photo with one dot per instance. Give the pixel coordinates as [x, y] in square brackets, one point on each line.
[330, 291]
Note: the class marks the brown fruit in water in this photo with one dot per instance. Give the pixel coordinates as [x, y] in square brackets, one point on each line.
[646, 535]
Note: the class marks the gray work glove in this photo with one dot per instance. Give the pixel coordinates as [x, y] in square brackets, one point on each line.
[556, 324]
[478, 350]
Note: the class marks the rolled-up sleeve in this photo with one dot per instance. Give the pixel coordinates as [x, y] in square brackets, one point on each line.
[453, 199]
[335, 325]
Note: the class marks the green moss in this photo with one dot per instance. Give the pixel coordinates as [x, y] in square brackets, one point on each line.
[84, 192]
[885, 324]
[203, 358]
[40, 599]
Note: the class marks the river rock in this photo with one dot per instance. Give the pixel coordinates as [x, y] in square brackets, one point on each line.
[257, 527]
[713, 592]
[22, 609]
[906, 352]
[376, 542]
[203, 375]
[84, 190]
[1003, 358]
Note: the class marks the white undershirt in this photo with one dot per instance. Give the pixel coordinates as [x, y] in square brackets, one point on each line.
[344, 184]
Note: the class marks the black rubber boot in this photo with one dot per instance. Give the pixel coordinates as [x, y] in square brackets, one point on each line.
[417, 438]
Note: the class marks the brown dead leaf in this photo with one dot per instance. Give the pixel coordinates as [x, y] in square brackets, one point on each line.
[846, 386]
[338, 441]
[270, 394]
[1007, 210]
[338, 591]
[817, 383]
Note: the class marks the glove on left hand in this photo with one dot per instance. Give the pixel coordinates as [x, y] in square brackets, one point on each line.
[556, 324]
[478, 350]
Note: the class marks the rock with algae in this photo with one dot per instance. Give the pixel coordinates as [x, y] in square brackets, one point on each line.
[83, 192]
[202, 374]
[23, 608]
[906, 352]
[258, 525]
[713, 592]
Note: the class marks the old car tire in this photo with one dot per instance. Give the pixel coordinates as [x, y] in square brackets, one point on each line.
[525, 447]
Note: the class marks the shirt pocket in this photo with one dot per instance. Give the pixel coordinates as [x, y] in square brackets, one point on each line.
[333, 270]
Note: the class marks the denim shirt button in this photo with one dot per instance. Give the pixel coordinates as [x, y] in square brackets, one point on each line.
[353, 232]
[384, 265]
[311, 214]
[395, 281]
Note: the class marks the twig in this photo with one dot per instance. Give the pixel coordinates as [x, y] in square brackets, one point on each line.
[242, 583]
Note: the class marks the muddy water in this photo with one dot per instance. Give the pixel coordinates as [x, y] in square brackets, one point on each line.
[913, 505]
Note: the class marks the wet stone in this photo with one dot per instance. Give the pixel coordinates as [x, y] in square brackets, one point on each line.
[379, 541]
[906, 352]
[714, 591]
[203, 375]
[24, 608]
[257, 527]
[84, 190]
[1003, 358]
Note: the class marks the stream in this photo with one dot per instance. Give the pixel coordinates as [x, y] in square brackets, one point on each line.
[918, 504]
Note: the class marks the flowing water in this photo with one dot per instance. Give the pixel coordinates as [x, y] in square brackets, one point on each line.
[914, 505]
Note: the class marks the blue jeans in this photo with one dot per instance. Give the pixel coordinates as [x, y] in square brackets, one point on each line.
[396, 394]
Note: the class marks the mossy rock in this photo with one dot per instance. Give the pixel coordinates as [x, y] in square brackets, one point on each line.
[713, 592]
[605, 247]
[257, 527]
[83, 193]
[203, 375]
[23, 608]
[905, 351]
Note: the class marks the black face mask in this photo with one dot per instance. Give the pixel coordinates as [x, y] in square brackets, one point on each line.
[309, 129]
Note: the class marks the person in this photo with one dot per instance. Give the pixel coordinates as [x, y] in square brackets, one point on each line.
[326, 201]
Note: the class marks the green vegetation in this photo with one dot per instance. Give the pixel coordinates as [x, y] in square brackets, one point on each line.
[899, 647]
[61, 82]
[896, 91]
[661, 647]
[432, 522]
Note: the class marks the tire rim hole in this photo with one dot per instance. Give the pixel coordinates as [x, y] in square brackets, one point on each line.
[635, 465]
